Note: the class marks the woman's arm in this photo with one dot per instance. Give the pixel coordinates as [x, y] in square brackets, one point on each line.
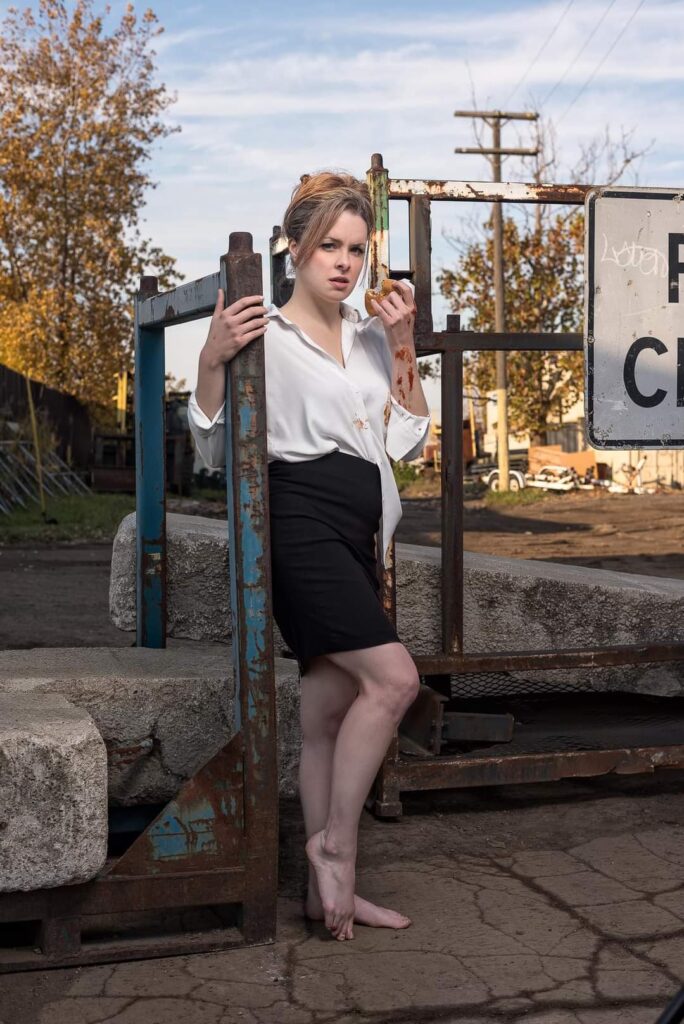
[407, 417]
[210, 393]
[406, 386]
[397, 313]
[230, 330]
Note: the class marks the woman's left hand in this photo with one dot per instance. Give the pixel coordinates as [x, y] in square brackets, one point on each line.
[398, 314]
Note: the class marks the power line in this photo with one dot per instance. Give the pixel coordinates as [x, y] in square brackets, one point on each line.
[605, 57]
[541, 50]
[579, 53]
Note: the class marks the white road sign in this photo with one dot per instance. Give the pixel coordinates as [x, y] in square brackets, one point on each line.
[634, 318]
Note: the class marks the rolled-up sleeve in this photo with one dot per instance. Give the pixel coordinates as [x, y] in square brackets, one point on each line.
[406, 432]
[209, 435]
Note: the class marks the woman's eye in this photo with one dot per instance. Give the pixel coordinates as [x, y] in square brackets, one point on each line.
[357, 250]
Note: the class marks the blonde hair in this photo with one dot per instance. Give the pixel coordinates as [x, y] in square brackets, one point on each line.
[317, 202]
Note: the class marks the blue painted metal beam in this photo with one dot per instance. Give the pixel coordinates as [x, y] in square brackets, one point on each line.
[150, 478]
[187, 302]
[226, 816]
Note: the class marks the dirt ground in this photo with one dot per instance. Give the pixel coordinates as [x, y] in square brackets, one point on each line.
[58, 595]
[639, 533]
[624, 532]
[560, 903]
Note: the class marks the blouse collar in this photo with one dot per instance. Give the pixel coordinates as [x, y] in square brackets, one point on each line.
[348, 313]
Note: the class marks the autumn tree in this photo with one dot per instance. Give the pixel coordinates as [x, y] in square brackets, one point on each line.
[543, 287]
[79, 113]
[543, 280]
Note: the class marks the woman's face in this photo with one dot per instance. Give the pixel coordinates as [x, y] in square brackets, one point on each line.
[333, 269]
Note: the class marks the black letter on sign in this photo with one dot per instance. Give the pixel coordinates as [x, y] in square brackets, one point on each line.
[675, 266]
[635, 350]
[680, 371]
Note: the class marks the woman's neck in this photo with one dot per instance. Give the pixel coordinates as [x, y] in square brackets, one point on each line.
[302, 304]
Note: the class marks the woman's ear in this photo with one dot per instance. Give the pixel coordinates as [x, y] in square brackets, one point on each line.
[293, 253]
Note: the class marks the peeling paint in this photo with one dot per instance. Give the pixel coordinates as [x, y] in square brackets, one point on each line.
[486, 191]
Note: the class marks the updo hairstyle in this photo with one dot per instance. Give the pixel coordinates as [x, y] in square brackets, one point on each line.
[317, 202]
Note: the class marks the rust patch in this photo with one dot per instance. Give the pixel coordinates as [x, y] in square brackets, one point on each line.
[485, 191]
[122, 757]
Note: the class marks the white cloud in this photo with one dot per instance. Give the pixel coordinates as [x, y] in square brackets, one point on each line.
[169, 40]
[307, 96]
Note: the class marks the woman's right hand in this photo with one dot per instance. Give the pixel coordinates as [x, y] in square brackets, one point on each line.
[233, 328]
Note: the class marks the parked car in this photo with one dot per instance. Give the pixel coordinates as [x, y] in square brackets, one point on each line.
[516, 479]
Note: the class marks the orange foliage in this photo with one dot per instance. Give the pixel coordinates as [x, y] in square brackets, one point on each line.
[79, 112]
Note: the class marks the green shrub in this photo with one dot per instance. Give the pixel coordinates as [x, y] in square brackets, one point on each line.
[404, 473]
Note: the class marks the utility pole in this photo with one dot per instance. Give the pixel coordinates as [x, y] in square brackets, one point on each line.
[494, 119]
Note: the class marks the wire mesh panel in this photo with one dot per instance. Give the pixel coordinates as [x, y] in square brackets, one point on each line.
[500, 684]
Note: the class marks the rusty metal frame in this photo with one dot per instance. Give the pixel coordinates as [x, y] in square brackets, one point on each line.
[213, 850]
[400, 774]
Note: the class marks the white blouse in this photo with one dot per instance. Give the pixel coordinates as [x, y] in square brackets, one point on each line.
[314, 405]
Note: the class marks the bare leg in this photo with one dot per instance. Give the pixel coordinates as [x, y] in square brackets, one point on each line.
[388, 683]
[327, 693]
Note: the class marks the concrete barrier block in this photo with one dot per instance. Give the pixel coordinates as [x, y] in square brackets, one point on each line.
[162, 713]
[510, 604]
[198, 597]
[524, 605]
[53, 792]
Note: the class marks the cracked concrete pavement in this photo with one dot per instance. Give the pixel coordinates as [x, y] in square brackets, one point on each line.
[548, 904]
[555, 904]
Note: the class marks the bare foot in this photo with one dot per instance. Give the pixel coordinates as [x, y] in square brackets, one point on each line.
[365, 912]
[335, 880]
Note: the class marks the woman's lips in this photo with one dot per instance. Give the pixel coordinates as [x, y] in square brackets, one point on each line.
[340, 282]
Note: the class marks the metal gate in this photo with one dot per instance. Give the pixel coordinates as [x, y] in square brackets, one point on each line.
[414, 761]
[205, 868]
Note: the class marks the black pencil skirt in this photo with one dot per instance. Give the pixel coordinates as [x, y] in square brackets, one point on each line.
[324, 514]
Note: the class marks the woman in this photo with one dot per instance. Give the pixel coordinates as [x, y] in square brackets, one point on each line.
[341, 395]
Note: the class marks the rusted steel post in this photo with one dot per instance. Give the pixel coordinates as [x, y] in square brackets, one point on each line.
[150, 477]
[378, 183]
[420, 253]
[281, 285]
[386, 802]
[377, 178]
[250, 586]
[452, 496]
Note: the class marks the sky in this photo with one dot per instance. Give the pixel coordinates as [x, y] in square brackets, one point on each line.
[269, 90]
